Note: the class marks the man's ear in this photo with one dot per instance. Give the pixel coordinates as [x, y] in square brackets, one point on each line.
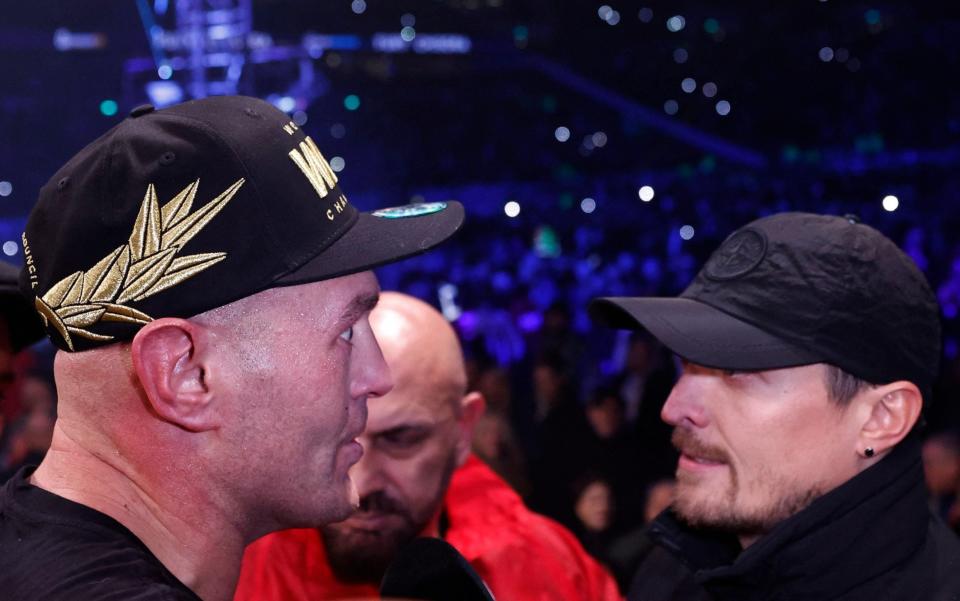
[893, 411]
[472, 406]
[169, 360]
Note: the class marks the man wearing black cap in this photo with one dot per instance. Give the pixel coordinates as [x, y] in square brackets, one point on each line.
[809, 344]
[208, 285]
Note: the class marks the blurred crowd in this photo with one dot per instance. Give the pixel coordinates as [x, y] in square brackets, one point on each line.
[572, 420]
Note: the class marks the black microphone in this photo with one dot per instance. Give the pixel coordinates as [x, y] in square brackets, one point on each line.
[432, 570]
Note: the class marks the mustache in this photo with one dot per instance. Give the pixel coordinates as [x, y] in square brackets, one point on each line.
[687, 443]
[381, 502]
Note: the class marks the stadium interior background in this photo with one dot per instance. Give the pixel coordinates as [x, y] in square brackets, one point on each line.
[600, 149]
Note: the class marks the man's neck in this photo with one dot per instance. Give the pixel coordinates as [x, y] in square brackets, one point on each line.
[178, 523]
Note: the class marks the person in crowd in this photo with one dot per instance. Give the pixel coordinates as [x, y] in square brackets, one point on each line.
[644, 385]
[941, 469]
[595, 508]
[19, 327]
[810, 344]
[208, 286]
[418, 478]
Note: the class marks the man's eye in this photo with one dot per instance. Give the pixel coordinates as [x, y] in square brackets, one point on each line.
[347, 334]
[403, 439]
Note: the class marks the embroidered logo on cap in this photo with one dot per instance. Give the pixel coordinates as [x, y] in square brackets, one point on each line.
[737, 256]
[144, 266]
[414, 210]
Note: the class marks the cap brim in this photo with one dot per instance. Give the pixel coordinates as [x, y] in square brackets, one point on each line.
[700, 333]
[374, 241]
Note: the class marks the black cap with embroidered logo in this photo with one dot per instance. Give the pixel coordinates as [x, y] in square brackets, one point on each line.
[174, 212]
[795, 289]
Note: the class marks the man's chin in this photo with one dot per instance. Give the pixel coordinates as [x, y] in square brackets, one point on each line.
[361, 555]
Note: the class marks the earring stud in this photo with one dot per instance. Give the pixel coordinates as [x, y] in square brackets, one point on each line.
[868, 452]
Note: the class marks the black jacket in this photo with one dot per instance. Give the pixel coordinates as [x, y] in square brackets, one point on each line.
[872, 538]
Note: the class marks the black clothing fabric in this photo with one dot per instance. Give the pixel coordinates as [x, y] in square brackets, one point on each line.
[872, 539]
[52, 549]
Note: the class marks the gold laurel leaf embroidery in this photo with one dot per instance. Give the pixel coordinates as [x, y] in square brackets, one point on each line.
[81, 316]
[124, 314]
[75, 292]
[145, 238]
[181, 269]
[54, 297]
[107, 275]
[178, 208]
[145, 273]
[88, 334]
[144, 266]
[182, 232]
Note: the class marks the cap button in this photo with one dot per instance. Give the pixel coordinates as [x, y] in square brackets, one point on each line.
[141, 110]
[854, 219]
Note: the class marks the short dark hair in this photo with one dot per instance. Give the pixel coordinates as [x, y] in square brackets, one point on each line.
[842, 386]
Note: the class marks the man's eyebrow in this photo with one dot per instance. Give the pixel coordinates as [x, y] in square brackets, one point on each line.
[362, 303]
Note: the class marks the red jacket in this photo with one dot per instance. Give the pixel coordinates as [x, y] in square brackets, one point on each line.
[522, 556]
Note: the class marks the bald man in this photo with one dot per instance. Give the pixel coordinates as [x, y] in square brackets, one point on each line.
[418, 478]
[208, 286]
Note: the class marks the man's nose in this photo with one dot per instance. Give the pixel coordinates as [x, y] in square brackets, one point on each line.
[373, 379]
[684, 406]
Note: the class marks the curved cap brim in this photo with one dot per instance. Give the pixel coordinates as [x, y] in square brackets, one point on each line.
[700, 333]
[377, 240]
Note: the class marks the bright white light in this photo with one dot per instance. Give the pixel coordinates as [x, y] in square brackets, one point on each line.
[512, 208]
[599, 139]
[6, 188]
[604, 12]
[671, 107]
[687, 232]
[688, 84]
[676, 23]
[891, 203]
[562, 134]
[337, 164]
[300, 118]
[408, 20]
[613, 18]
[646, 193]
[826, 54]
[10, 248]
[358, 6]
[709, 89]
[407, 34]
[286, 104]
[723, 108]
[165, 71]
[588, 205]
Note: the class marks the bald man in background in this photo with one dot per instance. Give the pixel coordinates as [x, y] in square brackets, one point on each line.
[418, 478]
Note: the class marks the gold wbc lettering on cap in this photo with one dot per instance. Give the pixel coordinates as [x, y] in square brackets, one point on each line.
[308, 158]
[30, 267]
[338, 206]
[144, 266]
[290, 128]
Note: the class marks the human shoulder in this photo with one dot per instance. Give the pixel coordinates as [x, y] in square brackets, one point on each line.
[52, 549]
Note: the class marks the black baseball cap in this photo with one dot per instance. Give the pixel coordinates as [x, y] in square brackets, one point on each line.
[795, 289]
[174, 212]
[23, 323]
